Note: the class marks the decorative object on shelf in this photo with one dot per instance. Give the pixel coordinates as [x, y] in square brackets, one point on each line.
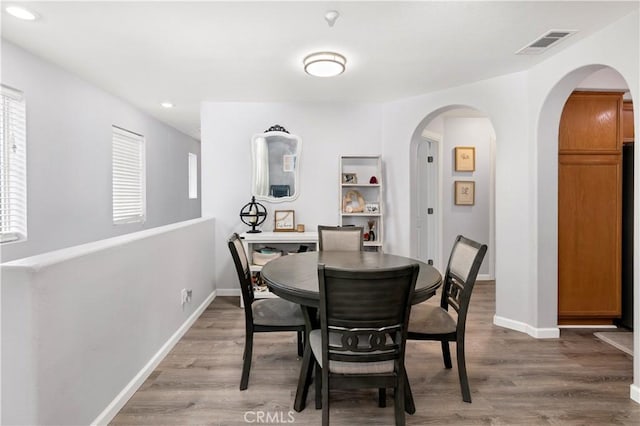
[253, 214]
[372, 208]
[349, 178]
[465, 158]
[284, 221]
[276, 128]
[265, 255]
[300, 227]
[349, 200]
[465, 192]
[373, 180]
[372, 235]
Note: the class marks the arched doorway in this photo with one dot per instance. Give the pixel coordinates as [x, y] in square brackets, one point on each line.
[547, 147]
[435, 217]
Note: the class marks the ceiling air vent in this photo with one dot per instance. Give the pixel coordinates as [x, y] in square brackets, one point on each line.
[545, 41]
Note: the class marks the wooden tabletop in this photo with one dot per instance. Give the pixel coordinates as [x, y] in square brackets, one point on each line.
[295, 277]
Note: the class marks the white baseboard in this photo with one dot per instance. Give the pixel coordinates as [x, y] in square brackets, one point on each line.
[119, 401]
[587, 326]
[635, 393]
[538, 333]
[228, 292]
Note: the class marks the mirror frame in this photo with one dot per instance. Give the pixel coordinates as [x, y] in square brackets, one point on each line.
[279, 134]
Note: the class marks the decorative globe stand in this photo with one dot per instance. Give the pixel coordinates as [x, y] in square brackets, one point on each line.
[253, 214]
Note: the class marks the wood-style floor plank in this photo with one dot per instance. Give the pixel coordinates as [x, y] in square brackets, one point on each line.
[515, 379]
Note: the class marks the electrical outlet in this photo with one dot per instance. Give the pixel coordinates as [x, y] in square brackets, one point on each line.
[185, 296]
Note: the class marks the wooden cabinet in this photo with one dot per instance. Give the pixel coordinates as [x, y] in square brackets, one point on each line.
[590, 209]
[627, 122]
[361, 202]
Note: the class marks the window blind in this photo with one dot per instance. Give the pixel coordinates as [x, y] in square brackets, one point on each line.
[128, 174]
[13, 165]
[193, 176]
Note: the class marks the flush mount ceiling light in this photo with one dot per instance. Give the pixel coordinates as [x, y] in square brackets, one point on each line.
[324, 64]
[167, 104]
[21, 13]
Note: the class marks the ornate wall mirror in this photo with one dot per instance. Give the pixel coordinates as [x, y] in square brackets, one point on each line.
[276, 161]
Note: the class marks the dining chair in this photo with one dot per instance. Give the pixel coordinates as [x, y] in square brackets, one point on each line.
[363, 329]
[429, 322]
[340, 238]
[263, 315]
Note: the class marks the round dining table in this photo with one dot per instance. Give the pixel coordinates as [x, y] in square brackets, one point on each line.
[295, 278]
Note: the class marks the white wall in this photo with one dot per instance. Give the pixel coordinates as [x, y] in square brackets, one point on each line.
[79, 324]
[326, 130]
[471, 221]
[69, 158]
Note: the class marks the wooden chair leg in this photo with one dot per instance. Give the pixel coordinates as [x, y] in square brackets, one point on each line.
[446, 353]
[382, 397]
[325, 398]
[399, 398]
[462, 371]
[300, 343]
[246, 364]
[318, 380]
[409, 404]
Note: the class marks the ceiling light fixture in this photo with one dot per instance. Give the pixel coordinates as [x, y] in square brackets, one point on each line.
[21, 13]
[166, 104]
[324, 64]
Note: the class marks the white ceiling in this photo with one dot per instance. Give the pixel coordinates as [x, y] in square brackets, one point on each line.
[189, 52]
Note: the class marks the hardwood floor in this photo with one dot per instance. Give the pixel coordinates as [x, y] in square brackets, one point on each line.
[515, 379]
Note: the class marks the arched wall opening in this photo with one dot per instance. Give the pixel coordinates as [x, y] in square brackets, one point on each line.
[547, 186]
[432, 149]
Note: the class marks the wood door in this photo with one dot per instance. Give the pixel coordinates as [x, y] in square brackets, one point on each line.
[590, 208]
[589, 231]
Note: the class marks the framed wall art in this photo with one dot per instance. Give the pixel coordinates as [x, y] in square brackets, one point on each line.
[465, 158]
[465, 193]
[284, 221]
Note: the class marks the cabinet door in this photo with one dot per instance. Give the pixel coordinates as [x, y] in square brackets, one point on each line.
[589, 236]
[591, 122]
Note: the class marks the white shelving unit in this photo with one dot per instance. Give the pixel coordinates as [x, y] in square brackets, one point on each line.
[363, 167]
[288, 242]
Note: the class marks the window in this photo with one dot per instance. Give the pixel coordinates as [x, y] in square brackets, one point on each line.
[13, 166]
[128, 174]
[193, 176]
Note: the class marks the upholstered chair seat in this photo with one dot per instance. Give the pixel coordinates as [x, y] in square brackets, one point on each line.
[431, 319]
[276, 312]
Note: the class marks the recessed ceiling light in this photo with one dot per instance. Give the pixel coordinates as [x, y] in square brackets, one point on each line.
[167, 104]
[324, 64]
[21, 13]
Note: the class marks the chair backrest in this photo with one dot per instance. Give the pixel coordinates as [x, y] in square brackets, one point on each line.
[340, 238]
[367, 310]
[242, 268]
[460, 277]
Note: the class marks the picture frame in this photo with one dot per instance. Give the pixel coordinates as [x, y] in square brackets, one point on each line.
[284, 221]
[349, 178]
[465, 158]
[465, 193]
